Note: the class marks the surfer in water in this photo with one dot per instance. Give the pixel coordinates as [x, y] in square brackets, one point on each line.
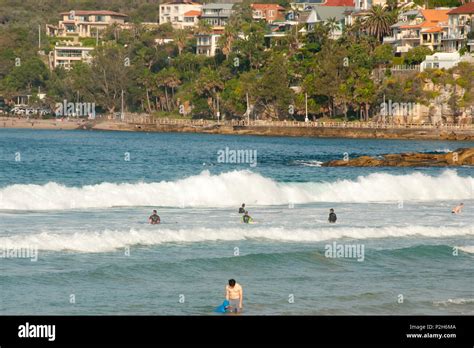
[458, 209]
[332, 216]
[242, 209]
[246, 219]
[234, 294]
[154, 218]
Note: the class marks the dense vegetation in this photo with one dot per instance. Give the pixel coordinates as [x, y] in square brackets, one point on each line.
[346, 78]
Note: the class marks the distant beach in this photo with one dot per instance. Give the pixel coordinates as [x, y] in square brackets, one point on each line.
[15, 122]
[351, 130]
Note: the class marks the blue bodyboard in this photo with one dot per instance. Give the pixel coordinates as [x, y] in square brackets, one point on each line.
[221, 308]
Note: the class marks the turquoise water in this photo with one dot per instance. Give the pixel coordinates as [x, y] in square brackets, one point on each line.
[81, 199]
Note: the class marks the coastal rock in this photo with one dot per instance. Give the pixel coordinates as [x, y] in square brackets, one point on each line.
[459, 157]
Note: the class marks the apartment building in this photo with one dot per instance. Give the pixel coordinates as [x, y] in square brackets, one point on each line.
[217, 14]
[419, 28]
[207, 44]
[180, 13]
[362, 7]
[267, 12]
[460, 28]
[67, 53]
[85, 23]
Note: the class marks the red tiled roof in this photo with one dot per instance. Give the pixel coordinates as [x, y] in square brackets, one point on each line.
[433, 17]
[267, 7]
[192, 13]
[464, 9]
[349, 3]
[99, 13]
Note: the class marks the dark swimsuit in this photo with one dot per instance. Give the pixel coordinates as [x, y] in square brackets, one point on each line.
[154, 219]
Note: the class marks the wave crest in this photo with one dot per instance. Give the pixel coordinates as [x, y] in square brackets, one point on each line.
[232, 188]
[109, 240]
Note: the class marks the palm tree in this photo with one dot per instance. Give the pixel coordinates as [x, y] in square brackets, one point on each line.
[378, 22]
[168, 78]
[333, 25]
[227, 40]
[203, 27]
[180, 38]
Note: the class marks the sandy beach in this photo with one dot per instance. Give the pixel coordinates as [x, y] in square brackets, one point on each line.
[10, 122]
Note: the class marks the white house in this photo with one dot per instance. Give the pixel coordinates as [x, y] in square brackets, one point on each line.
[180, 13]
[78, 23]
[67, 53]
[441, 60]
[207, 44]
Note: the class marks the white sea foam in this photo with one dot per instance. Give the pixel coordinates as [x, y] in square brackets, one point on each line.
[445, 150]
[467, 249]
[312, 163]
[233, 188]
[456, 301]
[109, 240]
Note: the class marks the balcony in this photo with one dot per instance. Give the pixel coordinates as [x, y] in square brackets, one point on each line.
[390, 39]
[410, 37]
[447, 37]
[403, 49]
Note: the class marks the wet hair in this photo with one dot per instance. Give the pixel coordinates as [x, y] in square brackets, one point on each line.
[231, 282]
[246, 212]
[154, 211]
[331, 210]
[243, 204]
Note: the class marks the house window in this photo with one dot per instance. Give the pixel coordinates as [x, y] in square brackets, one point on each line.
[70, 53]
[271, 13]
[435, 65]
[176, 19]
[100, 19]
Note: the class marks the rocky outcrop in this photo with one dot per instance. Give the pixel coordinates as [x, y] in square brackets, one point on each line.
[458, 157]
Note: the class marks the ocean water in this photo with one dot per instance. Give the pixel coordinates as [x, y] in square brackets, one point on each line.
[82, 198]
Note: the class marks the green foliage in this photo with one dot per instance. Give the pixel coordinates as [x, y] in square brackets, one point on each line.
[378, 21]
[438, 3]
[27, 77]
[273, 92]
[383, 54]
[416, 55]
[343, 78]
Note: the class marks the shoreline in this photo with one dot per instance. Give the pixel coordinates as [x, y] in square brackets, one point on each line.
[349, 131]
[49, 124]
